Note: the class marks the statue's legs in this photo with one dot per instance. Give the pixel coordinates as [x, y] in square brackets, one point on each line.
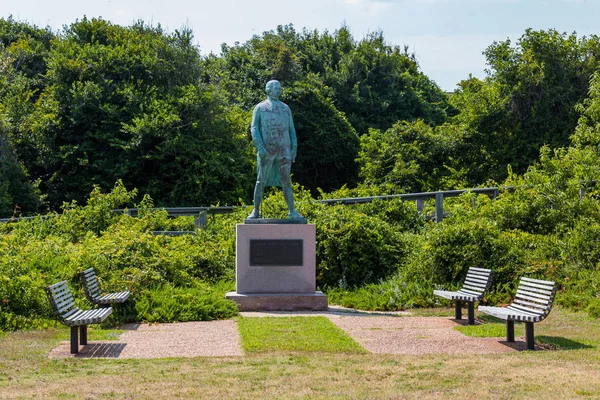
[258, 194]
[264, 167]
[286, 186]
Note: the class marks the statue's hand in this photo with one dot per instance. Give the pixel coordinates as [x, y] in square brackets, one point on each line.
[262, 151]
[293, 154]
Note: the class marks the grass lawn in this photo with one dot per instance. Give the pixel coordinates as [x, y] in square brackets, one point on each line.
[334, 369]
[272, 334]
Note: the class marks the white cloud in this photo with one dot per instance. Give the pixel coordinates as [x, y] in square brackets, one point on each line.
[371, 8]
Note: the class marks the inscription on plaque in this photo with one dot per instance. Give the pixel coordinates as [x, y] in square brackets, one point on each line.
[276, 252]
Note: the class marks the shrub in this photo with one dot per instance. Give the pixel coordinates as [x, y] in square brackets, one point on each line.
[170, 304]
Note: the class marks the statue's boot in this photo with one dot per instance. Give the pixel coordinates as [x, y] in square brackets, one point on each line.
[294, 214]
[254, 214]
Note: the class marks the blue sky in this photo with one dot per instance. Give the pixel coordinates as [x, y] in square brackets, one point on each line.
[447, 36]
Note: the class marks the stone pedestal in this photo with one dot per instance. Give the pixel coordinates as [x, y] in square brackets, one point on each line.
[275, 268]
[316, 301]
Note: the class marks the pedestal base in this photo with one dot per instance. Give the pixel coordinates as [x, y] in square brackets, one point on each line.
[316, 301]
[271, 271]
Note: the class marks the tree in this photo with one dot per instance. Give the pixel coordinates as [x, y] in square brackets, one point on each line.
[528, 99]
[373, 83]
[411, 157]
[327, 143]
[127, 103]
[339, 87]
[17, 193]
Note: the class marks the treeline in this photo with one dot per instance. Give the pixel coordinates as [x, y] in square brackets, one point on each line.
[98, 102]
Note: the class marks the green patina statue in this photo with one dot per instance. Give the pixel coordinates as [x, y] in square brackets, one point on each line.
[274, 136]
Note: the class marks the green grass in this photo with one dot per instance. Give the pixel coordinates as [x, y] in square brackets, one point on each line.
[294, 334]
[571, 373]
[494, 327]
[104, 334]
[490, 327]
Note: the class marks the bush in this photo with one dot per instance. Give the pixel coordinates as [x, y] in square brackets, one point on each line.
[396, 293]
[124, 253]
[169, 304]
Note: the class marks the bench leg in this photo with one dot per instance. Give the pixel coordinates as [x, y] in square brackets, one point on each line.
[74, 341]
[83, 333]
[510, 331]
[458, 310]
[529, 335]
[471, 312]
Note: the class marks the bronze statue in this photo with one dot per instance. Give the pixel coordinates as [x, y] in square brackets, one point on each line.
[274, 136]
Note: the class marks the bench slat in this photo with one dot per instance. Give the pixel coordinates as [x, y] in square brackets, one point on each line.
[479, 271]
[510, 314]
[536, 291]
[523, 309]
[543, 284]
[542, 301]
[473, 288]
[483, 280]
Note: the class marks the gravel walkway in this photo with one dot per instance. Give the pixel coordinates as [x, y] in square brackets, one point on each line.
[385, 333]
[184, 339]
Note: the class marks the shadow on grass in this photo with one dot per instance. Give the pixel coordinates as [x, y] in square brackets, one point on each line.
[562, 343]
[465, 322]
[548, 343]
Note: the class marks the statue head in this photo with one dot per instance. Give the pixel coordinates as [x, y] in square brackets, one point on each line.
[273, 89]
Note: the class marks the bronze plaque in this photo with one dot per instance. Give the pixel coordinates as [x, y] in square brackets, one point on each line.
[276, 252]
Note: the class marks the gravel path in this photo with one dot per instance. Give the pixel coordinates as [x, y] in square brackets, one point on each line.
[184, 339]
[416, 335]
[385, 333]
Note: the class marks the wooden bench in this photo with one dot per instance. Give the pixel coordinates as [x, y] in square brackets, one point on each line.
[532, 303]
[63, 306]
[94, 294]
[476, 283]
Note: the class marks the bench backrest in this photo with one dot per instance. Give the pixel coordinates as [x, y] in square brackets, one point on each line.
[478, 280]
[61, 300]
[534, 296]
[90, 284]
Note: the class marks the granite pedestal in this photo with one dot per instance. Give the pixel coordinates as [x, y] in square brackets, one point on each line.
[275, 268]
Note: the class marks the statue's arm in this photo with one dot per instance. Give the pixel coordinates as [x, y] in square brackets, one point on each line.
[256, 135]
[293, 138]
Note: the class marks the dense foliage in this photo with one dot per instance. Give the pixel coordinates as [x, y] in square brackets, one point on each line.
[528, 100]
[100, 103]
[111, 102]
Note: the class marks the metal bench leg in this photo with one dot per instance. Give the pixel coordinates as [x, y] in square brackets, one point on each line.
[510, 331]
[74, 344]
[471, 312]
[83, 333]
[458, 310]
[529, 335]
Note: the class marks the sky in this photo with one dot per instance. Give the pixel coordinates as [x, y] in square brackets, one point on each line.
[447, 36]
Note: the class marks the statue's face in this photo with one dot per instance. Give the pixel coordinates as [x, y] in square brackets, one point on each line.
[274, 90]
